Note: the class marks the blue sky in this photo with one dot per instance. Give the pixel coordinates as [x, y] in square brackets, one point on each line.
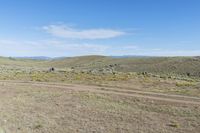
[101, 27]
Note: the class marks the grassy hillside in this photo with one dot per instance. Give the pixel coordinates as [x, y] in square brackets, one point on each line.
[177, 75]
[165, 65]
[17, 62]
[189, 66]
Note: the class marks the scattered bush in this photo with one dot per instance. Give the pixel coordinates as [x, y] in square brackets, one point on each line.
[184, 83]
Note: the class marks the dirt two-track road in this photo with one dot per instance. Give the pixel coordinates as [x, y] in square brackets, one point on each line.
[41, 107]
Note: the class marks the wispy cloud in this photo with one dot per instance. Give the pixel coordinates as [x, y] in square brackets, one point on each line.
[69, 32]
[55, 48]
[52, 48]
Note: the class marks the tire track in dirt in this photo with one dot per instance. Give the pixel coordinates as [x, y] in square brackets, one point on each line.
[110, 90]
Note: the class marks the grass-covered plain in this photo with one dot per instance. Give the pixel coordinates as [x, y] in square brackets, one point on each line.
[100, 94]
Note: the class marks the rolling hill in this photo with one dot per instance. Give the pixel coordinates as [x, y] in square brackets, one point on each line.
[189, 66]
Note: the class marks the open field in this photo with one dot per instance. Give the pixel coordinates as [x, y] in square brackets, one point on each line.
[100, 94]
[99, 66]
[52, 107]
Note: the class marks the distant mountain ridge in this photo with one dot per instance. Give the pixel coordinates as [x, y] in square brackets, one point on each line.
[35, 58]
[54, 58]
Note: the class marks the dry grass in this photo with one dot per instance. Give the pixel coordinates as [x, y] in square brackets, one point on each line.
[50, 109]
[26, 108]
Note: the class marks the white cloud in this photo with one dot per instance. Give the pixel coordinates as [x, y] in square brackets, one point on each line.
[56, 48]
[68, 32]
[8, 42]
[52, 48]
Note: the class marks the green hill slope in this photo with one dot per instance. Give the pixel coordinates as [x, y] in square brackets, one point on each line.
[160, 65]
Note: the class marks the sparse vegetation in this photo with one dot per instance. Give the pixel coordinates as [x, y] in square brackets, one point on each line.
[185, 83]
[103, 94]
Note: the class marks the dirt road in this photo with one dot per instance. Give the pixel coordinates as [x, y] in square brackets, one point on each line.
[45, 107]
[108, 90]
